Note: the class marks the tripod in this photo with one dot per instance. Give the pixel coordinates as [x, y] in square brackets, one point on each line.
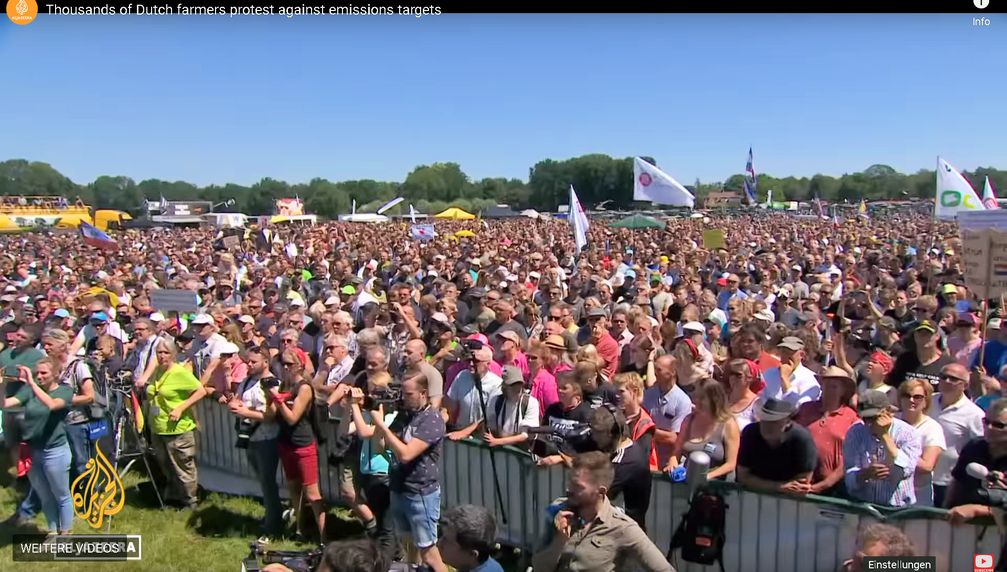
[477, 377]
[124, 430]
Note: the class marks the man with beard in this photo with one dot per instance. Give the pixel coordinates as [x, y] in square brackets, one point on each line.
[590, 534]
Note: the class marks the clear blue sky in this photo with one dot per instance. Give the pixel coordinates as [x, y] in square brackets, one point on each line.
[217, 100]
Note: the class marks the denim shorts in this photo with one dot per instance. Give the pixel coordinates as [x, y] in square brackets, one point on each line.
[417, 516]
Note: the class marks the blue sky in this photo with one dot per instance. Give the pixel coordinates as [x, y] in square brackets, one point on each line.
[217, 100]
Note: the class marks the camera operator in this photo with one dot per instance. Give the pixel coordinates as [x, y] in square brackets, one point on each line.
[415, 439]
[257, 434]
[468, 537]
[565, 414]
[374, 459]
[140, 358]
[631, 462]
[592, 536]
[963, 498]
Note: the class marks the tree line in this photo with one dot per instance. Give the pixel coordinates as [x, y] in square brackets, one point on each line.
[432, 188]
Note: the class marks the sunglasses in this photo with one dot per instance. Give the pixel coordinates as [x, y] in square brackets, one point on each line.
[555, 318]
[996, 424]
[953, 378]
[914, 396]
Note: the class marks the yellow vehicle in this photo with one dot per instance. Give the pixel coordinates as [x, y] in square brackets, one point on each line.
[23, 213]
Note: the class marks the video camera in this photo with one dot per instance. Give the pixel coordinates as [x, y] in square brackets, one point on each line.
[993, 497]
[388, 398]
[298, 560]
[121, 381]
[576, 436]
[469, 347]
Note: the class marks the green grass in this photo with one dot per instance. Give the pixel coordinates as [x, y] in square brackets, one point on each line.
[213, 537]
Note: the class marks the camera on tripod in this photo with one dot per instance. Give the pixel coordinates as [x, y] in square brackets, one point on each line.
[576, 436]
[469, 347]
[122, 381]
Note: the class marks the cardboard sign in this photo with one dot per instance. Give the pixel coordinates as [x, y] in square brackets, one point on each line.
[984, 251]
[170, 300]
[713, 239]
[231, 242]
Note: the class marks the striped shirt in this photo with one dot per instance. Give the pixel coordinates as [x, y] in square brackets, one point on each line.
[862, 447]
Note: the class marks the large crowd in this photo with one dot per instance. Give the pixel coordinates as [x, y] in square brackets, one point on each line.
[803, 357]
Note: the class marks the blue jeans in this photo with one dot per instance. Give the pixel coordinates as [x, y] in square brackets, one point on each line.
[31, 505]
[417, 516]
[264, 458]
[50, 480]
[81, 448]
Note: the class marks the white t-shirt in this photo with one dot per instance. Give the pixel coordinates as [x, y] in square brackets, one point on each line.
[962, 421]
[804, 386]
[339, 371]
[254, 398]
[464, 395]
[513, 422]
[933, 436]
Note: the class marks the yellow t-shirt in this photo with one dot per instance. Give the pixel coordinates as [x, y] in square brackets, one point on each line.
[168, 391]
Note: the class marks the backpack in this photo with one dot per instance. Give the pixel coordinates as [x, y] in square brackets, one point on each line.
[318, 415]
[700, 535]
[498, 406]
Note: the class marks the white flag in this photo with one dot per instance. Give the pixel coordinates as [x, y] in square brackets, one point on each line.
[412, 214]
[989, 196]
[578, 219]
[954, 193]
[654, 185]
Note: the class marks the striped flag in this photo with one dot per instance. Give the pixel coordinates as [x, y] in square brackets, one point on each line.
[137, 412]
[751, 179]
[96, 238]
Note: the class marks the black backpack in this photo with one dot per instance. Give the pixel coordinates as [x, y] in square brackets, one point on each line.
[318, 415]
[700, 535]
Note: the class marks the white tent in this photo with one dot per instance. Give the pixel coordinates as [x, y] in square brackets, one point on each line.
[530, 213]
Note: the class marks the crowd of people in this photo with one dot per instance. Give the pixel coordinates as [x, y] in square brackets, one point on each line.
[803, 357]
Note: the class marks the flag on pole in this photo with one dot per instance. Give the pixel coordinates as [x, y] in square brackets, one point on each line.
[390, 204]
[412, 214]
[954, 192]
[163, 205]
[137, 412]
[96, 238]
[989, 196]
[578, 219]
[654, 185]
[751, 179]
[862, 209]
[422, 232]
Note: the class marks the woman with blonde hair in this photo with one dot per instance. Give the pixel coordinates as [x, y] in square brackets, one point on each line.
[639, 422]
[172, 393]
[744, 381]
[709, 428]
[291, 403]
[915, 399]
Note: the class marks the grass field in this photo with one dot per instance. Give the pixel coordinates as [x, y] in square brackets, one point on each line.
[214, 537]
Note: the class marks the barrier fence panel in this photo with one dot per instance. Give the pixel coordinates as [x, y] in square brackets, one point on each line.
[765, 532]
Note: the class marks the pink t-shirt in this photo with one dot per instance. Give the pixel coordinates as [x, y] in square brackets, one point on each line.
[520, 362]
[544, 390]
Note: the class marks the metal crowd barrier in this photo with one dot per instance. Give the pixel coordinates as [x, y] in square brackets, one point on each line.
[765, 532]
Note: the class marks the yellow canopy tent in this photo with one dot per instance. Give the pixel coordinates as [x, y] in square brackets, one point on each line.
[455, 213]
[465, 233]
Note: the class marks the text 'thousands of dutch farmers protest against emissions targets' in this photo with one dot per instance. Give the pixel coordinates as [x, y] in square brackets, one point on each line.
[179, 9]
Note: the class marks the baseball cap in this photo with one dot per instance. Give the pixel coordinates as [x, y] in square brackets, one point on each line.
[156, 317]
[792, 343]
[512, 375]
[949, 289]
[202, 320]
[332, 300]
[348, 290]
[510, 335]
[694, 327]
[873, 403]
[926, 325]
[246, 319]
[100, 317]
[61, 313]
[225, 348]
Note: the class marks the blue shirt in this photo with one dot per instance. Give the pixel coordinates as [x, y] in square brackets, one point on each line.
[994, 357]
[861, 447]
[489, 566]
